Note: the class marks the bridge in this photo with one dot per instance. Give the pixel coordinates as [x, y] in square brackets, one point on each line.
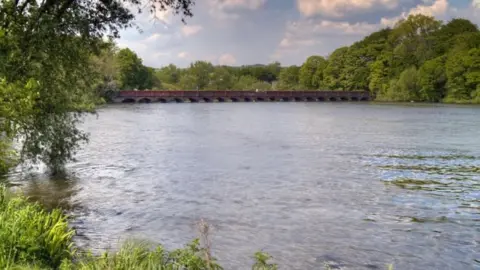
[238, 96]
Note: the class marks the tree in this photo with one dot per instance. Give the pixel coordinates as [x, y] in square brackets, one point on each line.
[379, 75]
[246, 82]
[463, 74]
[169, 74]
[310, 72]
[188, 82]
[132, 73]
[360, 57]
[456, 67]
[432, 79]
[200, 71]
[288, 78]
[47, 46]
[413, 40]
[333, 75]
[105, 67]
[220, 79]
[404, 89]
[445, 38]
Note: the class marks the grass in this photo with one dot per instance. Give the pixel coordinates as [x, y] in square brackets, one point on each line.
[29, 236]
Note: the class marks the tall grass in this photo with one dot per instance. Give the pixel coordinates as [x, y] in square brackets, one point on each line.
[137, 255]
[30, 236]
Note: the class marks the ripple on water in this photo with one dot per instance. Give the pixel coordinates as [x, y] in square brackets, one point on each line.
[449, 183]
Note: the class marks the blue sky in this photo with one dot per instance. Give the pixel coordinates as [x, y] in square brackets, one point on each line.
[241, 32]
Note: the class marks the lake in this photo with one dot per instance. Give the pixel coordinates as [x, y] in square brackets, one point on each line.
[352, 185]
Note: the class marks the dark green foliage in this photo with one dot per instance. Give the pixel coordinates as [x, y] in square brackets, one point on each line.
[406, 88]
[289, 78]
[311, 72]
[432, 80]
[31, 236]
[262, 262]
[132, 73]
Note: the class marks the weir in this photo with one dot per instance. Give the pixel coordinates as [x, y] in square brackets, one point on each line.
[239, 96]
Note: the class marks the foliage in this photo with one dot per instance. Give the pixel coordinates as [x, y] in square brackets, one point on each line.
[311, 72]
[404, 89]
[432, 79]
[132, 73]
[31, 236]
[333, 76]
[46, 75]
[289, 78]
[137, 255]
[261, 262]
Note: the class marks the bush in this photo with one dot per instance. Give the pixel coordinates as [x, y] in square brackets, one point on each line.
[136, 255]
[30, 236]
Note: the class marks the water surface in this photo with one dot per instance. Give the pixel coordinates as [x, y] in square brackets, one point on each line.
[357, 186]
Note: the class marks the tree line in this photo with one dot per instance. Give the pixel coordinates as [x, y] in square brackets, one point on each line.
[418, 59]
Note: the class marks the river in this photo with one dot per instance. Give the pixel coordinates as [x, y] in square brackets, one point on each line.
[352, 185]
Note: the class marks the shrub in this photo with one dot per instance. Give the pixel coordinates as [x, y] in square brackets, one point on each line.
[30, 236]
[137, 255]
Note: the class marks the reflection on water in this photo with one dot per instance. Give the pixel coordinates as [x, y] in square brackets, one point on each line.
[51, 191]
[357, 186]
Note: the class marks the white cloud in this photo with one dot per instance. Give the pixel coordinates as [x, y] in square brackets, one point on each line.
[476, 3]
[314, 35]
[338, 8]
[182, 54]
[189, 30]
[227, 59]
[346, 28]
[224, 9]
[310, 32]
[437, 8]
[247, 4]
[161, 54]
[153, 37]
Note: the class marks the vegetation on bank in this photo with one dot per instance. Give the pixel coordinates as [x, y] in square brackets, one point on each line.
[32, 238]
[419, 59]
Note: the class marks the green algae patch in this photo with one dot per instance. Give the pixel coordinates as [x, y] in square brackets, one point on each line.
[426, 157]
[415, 184]
[433, 169]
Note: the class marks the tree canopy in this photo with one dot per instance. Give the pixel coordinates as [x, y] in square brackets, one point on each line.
[46, 50]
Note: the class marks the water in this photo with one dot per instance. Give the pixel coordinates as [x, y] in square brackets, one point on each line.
[356, 186]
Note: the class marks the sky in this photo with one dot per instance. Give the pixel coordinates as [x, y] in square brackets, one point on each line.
[244, 32]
